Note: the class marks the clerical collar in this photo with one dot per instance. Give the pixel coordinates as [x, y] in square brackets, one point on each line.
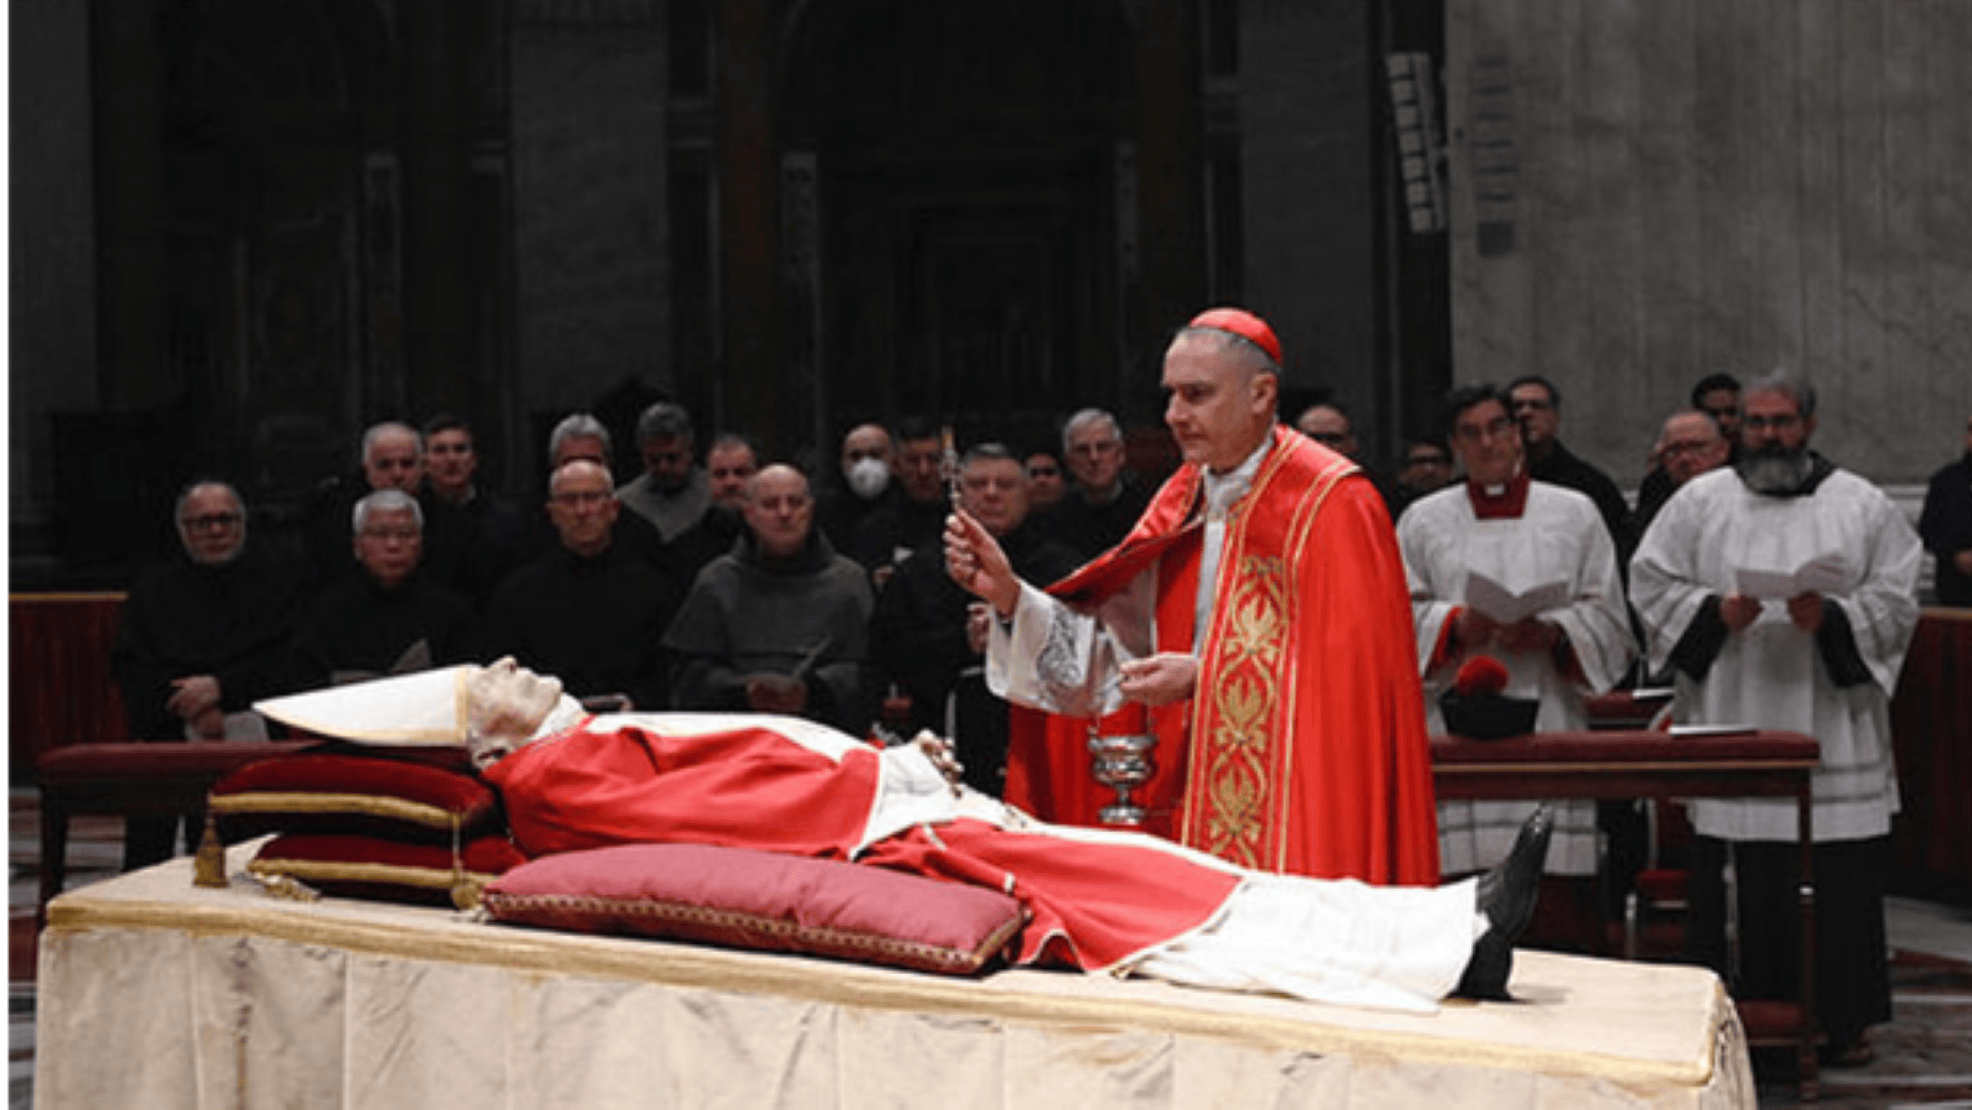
[1221, 490]
[1505, 501]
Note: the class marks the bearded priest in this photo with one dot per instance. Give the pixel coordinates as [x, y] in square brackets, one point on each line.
[1784, 592]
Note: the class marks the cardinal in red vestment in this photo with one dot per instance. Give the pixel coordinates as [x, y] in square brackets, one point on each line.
[1256, 621]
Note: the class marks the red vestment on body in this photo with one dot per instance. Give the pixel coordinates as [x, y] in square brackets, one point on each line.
[1304, 748]
[725, 781]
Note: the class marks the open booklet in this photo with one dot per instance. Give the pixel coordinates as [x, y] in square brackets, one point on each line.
[1507, 606]
[1824, 574]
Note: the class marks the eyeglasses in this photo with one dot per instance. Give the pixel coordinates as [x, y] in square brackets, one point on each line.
[401, 535]
[1688, 447]
[1779, 423]
[210, 521]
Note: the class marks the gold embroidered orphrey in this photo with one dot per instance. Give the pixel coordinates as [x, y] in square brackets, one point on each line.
[1238, 731]
[1241, 760]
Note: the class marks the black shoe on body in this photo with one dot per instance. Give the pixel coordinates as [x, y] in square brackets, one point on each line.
[1506, 896]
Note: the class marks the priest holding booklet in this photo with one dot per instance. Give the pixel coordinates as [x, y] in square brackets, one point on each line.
[1783, 591]
[1525, 572]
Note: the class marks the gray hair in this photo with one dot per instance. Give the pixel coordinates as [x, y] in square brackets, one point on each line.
[1786, 384]
[1089, 418]
[664, 420]
[577, 424]
[385, 501]
[1252, 354]
[377, 431]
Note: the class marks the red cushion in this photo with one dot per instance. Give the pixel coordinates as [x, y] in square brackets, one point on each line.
[389, 870]
[762, 900]
[354, 792]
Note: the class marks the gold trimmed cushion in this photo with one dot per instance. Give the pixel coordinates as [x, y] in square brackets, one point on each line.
[428, 800]
[377, 869]
[744, 898]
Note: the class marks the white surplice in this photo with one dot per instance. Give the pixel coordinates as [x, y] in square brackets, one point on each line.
[1772, 675]
[1559, 537]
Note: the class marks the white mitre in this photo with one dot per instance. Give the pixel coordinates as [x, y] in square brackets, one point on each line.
[448, 707]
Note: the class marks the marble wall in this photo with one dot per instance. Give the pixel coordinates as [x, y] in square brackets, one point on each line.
[1647, 191]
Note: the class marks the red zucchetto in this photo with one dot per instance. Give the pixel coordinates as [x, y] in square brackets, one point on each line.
[1244, 324]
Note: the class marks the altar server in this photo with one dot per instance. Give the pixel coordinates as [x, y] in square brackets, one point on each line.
[1530, 538]
[1784, 591]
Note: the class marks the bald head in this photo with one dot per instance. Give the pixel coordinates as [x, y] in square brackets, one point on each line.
[779, 510]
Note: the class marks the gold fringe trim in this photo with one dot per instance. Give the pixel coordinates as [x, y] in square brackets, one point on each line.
[322, 871]
[312, 802]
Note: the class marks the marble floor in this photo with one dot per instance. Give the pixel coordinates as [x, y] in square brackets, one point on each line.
[1924, 1056]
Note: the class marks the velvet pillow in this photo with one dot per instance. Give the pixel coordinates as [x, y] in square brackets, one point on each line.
[430, 799]
[388, 870]
[751, 899]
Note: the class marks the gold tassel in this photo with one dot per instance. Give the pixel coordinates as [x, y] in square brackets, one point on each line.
[210, 867]
[466, 889]
[289, 887]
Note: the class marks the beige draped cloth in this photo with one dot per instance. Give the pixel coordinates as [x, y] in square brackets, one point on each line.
[157, 994]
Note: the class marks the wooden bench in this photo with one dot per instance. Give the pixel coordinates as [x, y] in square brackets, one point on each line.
[131, 780]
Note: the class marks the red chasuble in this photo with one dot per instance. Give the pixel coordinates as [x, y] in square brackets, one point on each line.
[1093, 905]
[1304, 749]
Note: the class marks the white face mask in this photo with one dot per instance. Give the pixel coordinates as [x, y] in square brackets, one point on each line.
[867, 478]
